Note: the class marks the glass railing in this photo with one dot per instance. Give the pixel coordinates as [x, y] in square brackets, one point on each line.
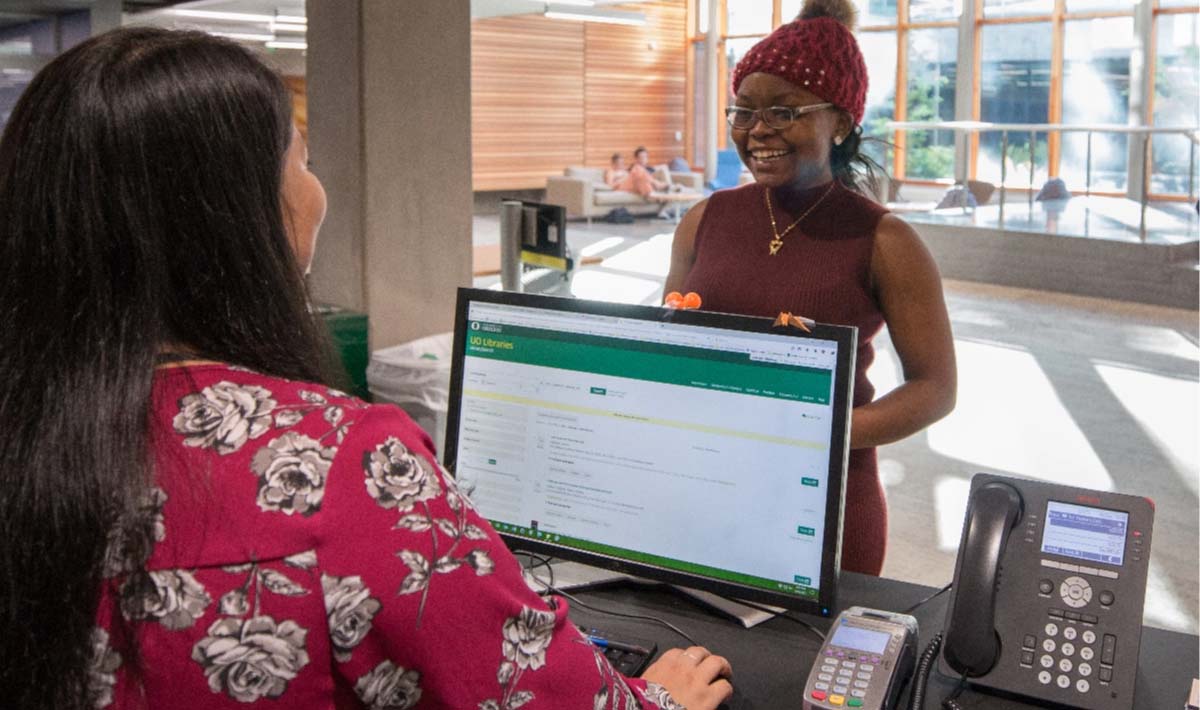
[1143, 133]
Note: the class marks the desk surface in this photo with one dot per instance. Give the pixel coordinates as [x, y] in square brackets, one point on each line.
[771, 661]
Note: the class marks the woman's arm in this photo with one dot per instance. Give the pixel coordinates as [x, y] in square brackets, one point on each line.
[909, 288]
[683, 248]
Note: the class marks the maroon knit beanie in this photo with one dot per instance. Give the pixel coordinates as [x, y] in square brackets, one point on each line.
[818, 52]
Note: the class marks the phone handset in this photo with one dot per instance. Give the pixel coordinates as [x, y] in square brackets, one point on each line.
[972, 645]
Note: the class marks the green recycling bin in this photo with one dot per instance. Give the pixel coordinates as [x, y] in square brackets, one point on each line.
[348, 332]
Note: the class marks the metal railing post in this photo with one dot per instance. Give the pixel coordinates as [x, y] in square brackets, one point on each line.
[1003, 171]
[1087, 179]
[1032, 164]
[1191, 168]
[1145, 196]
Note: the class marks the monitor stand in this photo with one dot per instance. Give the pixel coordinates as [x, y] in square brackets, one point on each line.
[574, 575]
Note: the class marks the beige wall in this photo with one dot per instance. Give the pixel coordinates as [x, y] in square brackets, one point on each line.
[389, 131]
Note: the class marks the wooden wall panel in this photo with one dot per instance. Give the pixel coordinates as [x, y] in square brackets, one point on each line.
[546, 94]
[298, 87]
[635, 84]
[526, 100]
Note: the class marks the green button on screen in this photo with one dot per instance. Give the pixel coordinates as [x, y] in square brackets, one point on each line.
[599, 390]
[810, 482]
[803, 580]
[806, 531]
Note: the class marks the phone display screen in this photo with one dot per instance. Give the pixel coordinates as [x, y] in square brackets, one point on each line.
[860, 639]
[1085, 533]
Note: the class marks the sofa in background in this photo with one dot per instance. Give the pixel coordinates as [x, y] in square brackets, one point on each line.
[583, 193]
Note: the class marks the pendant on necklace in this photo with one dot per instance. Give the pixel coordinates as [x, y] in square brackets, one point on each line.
[775, 244]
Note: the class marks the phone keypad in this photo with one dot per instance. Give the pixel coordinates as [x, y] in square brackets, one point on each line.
[1069, 663]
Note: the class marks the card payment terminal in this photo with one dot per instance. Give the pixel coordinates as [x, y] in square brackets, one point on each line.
[865, 661]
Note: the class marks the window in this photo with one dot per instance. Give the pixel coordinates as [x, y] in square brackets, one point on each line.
[932, 69]
[879, 51]
[1016, 8]
[932, 10]
[749, 17]
[1014, 81]
[1176, 102]
[1096, 90]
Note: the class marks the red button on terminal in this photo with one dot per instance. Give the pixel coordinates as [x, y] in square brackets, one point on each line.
[818, 695]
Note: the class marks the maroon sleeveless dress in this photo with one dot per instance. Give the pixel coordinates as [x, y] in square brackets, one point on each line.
[823, 272]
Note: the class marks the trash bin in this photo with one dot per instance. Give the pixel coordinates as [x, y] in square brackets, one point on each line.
[348, 331]
[416, 377]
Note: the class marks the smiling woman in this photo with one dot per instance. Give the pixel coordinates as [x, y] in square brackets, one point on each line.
[805, 238]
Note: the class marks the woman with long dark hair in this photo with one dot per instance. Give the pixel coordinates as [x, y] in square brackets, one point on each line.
[189, 516]
[805, 238]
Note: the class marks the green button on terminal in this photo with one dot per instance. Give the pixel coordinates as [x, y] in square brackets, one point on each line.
[854, 702]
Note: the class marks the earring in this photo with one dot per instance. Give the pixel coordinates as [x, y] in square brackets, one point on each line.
[837, 140]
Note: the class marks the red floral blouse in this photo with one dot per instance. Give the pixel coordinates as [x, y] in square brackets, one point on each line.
[311, 553]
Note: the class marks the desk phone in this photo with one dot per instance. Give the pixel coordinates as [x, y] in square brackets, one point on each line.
[1048, 592]
[865, 661]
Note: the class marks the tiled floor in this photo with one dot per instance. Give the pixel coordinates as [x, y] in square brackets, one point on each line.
[1089, 392]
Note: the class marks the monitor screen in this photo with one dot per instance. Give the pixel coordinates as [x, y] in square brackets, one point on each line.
[695, 448]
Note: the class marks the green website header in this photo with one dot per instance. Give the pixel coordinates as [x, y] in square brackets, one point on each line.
[654, 362]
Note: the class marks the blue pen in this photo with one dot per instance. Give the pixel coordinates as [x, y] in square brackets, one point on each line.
[605, 643]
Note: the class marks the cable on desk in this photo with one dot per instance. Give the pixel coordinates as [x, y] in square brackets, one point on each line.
[928, 599]
[782, 614]
[551, 589]
[920, 680]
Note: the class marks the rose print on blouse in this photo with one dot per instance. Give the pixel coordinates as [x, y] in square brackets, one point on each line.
[398, 479]
[526, 637]
[255, 657]
[291, 474]
[224, 416]
[251, 659]
[389, 687]
[350, 609]
[173, 598]
[102, 670]
[126, 549]
[614, 693]
[658, 695]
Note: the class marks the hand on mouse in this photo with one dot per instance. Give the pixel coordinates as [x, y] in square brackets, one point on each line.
[695, 678]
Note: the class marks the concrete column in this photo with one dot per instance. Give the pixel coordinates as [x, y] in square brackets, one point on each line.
[964, 90]
[1141, 90]
[389, 117]
[105, 15]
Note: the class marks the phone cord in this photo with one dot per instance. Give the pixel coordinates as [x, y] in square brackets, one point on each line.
[921, 680]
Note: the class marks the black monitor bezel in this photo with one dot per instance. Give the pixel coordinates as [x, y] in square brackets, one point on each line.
[843, 392]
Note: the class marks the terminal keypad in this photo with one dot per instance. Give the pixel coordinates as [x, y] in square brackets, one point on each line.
[846, 674]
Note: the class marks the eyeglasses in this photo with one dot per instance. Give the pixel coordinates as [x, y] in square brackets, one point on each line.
[776, 117]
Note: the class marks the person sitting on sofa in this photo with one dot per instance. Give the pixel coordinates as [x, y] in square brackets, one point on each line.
[641, 178]
[616, 173]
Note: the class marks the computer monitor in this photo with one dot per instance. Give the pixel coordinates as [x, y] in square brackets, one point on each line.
[700, 449]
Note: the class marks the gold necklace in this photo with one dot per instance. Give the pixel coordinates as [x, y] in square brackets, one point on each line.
[777, 241]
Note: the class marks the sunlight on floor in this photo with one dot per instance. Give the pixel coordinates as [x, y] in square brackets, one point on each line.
[601, 246]
[1166, 410]
[652, 258]
[1010, 419]
[1160, 341]
[598, 285]
[950, 505]
[1163, 608]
